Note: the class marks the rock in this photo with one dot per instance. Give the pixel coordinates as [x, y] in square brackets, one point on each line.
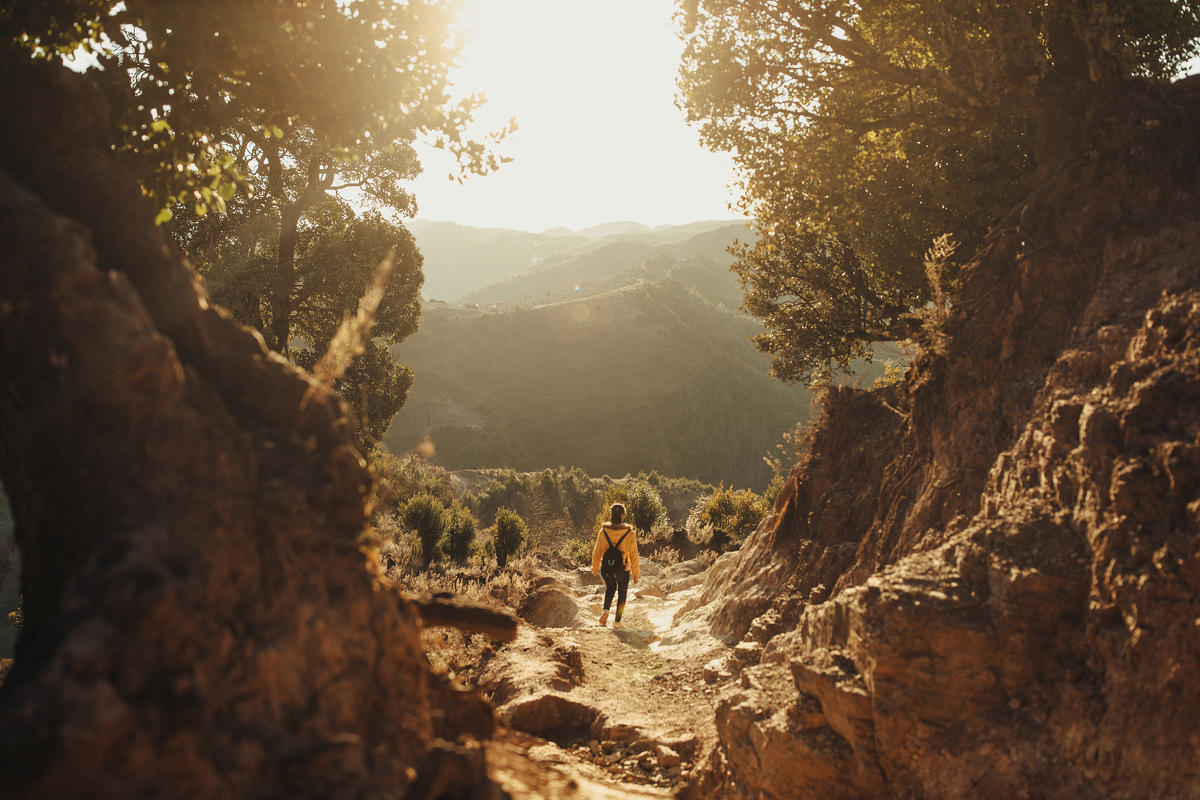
[667, 757]
[992, 567]
[685, 583]
[748, 652]
[684, 569]
[549, 607]
[719, 670]
[650, 568]
[586, 578]
[646, 762]
[550, 716]
[684, 745]
[569, 668]
[619, 732]
[199, 616]
[651, 590]
[548, 580]
[547, 752]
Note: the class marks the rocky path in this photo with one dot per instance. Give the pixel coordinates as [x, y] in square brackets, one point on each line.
[616, 713]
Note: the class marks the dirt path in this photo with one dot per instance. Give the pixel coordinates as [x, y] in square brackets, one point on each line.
[625, 713]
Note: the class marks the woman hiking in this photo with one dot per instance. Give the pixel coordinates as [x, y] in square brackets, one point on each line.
[615, 558]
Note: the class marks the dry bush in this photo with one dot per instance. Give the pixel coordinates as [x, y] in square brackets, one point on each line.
[698, 532]
[577, 551]
[459, 655]
[399, 552]
[667, 556]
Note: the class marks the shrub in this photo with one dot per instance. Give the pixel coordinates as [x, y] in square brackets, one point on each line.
[410, 475]
[425, 516]
[771, 493]
[667, 556]
[577, 551]
[510, 534]
[483, 551]
[644, 508]
[733, 513]
[459, 535]
[400, 554]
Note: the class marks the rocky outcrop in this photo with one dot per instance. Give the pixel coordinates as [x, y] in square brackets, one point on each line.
[199, 617]
[549, 607]
[985, 582]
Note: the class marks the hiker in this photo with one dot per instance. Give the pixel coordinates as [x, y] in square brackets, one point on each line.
[615, 558]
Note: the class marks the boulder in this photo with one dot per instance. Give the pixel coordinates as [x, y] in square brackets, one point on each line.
[550, 716]
[586, 577]
[549, 607]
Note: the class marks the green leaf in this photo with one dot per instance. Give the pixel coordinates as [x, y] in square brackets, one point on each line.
[163, 217]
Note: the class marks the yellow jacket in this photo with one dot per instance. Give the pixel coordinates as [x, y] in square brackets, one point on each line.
[629, 550]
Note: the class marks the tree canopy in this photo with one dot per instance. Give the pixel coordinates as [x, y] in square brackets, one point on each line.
[264, 112]
[863, 130]
[180, 82]
[336, 253]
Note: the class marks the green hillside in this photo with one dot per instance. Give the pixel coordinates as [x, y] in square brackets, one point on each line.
[608, 265]
[461, 259]
[651, 376]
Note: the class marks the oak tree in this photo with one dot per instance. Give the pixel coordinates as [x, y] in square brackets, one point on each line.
[268, 112]
[862, 130]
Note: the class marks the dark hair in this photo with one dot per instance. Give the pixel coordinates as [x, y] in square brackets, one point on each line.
[616, 514]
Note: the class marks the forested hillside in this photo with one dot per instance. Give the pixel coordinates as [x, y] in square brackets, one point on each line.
[596, 269]
[648, 376]
[460, 259]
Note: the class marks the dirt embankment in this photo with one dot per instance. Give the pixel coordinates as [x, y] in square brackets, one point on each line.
[985, 582]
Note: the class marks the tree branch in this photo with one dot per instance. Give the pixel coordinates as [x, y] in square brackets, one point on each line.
[440, 611]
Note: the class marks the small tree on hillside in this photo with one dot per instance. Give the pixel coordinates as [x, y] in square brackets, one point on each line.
[726, 516]
[426, 517]
[459, 535]
[644, 507]
[510, 534]
[483, 551]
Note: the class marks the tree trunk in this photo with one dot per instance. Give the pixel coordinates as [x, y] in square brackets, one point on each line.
[285, 276]
[199, 617]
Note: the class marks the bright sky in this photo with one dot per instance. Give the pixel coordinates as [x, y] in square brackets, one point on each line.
[592, 85]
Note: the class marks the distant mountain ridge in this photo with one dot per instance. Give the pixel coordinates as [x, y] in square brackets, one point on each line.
[460, 259]
[596, 268]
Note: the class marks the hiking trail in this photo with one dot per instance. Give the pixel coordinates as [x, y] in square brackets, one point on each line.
[617, 713]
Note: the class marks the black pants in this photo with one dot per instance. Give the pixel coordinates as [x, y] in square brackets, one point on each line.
[618, 585]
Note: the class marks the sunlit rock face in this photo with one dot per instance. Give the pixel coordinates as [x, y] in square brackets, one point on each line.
[200, 619]
[985, 582]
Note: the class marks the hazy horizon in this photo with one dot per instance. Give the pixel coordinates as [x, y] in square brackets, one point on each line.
[420, 218]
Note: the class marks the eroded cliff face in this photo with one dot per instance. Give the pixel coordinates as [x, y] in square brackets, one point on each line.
[199, 617]
[985, 582]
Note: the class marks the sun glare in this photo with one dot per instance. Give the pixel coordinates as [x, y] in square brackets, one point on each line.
[592, 86]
